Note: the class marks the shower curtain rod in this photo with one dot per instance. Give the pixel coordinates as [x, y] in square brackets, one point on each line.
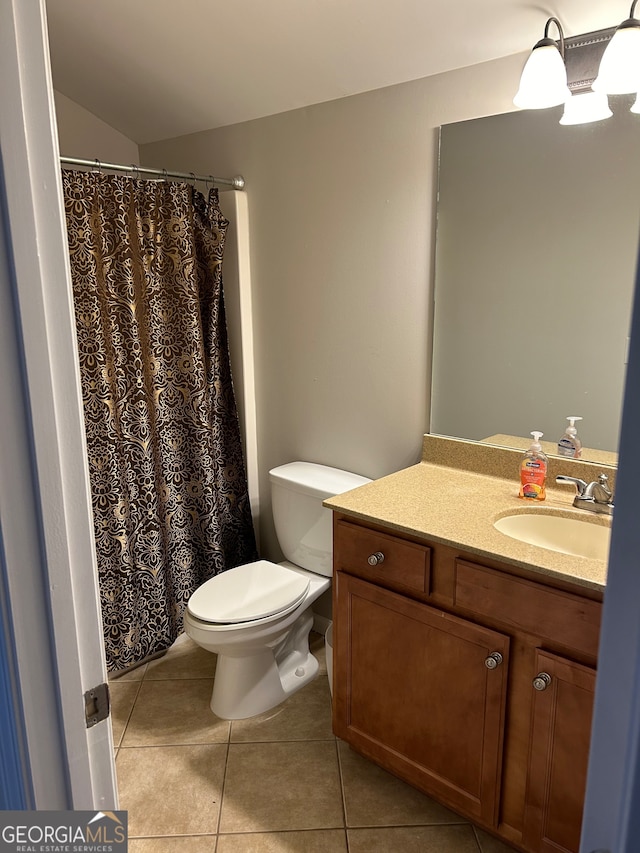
[236, 183]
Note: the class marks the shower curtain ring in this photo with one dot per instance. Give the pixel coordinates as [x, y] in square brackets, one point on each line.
[165, 174]
[98, 167]
[193, 178]
[136, 170]
[213, 181]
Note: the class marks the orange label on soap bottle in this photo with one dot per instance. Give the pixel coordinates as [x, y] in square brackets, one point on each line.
[533, 474]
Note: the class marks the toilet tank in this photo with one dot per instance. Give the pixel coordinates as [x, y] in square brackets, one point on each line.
[303, 526]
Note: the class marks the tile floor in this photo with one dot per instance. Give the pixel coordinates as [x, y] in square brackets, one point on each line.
[278, 783]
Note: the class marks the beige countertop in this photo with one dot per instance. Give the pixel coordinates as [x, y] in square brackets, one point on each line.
[457, 506]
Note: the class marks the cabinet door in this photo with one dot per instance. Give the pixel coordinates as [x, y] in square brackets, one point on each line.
[413, 691]
[559, 753]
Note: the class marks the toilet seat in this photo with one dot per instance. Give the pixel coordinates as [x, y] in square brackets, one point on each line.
[248, 593]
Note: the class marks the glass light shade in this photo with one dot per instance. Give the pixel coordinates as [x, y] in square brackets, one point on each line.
[585, 108]
[636, 106]
[619, 72]
[544, 79]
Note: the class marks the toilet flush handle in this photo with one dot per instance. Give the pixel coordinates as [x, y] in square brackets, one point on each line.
[376, 559]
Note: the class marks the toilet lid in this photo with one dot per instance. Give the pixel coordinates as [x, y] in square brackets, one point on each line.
[248, 592]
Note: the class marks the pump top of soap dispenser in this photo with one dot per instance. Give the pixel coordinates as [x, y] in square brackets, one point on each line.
[535, 444]
[570, 445]
[571, 429]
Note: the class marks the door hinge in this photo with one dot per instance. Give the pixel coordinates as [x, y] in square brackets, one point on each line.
[96, 704]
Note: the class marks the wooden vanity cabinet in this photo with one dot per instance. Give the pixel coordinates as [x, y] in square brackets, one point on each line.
[435, 658]
[558, 756]
[416, 696]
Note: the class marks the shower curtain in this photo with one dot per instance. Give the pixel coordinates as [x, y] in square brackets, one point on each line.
[168, 483]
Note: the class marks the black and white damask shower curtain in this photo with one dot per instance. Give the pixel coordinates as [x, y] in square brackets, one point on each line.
[168, 483]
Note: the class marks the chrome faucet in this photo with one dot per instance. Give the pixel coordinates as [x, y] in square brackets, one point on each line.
[594, 497]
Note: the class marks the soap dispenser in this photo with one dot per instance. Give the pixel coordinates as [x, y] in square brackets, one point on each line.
[533, 471]
[570, 445]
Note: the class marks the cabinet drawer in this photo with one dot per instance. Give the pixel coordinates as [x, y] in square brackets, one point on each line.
[404, 564]
[550, 614]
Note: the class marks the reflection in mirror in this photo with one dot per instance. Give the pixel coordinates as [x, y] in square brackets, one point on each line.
[536, 251]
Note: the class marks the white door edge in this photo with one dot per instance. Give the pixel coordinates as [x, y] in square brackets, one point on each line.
[60, 652]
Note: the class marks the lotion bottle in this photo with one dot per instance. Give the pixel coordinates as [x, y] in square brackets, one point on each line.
[533, 471]
[570, 445]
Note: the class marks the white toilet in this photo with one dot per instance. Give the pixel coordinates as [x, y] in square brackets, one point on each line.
[257, 617]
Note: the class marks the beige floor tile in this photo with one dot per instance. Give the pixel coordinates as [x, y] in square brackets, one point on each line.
[489, 844]
[136, 674]
[172, 790]
[174, 712]
[413, 839]
[374, 797]
[304, 716]
[184, 659]
[309, 841]
[278, 786]
[177, 844]
[122, 695]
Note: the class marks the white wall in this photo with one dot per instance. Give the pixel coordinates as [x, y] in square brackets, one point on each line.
[341, 205]
[83, 135]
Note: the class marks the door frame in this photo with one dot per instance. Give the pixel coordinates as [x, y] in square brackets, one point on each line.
[611, 819]
[49, 567]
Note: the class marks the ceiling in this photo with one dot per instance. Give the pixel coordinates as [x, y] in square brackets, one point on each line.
[155, 69]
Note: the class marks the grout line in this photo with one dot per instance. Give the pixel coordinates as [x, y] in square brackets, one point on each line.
[179, 680]
[281, 831]
[174, 745]
[128, 720]
[409, 825]
[342, 796]
[284, 740]
[181, 835]
[475, 835]
[222, 789]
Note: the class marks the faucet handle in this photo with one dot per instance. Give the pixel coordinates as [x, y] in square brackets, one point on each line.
[580, 485]
[601, 490]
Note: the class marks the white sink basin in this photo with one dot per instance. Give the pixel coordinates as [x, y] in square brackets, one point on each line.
[576, 536]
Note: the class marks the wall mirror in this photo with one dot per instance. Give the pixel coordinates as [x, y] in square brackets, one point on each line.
[536, 249]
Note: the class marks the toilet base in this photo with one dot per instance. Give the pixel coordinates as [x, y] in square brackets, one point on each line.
[245, 686]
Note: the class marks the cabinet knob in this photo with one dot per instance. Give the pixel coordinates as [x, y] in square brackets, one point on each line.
[494, 660]
[376, 559]
[542, 681]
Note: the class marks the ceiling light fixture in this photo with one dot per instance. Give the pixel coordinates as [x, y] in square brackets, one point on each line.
[585, 108]
[581, 71]
[619, 72]
[544, 79]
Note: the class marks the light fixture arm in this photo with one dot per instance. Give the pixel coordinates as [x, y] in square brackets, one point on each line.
[631, 21]
[560, 32]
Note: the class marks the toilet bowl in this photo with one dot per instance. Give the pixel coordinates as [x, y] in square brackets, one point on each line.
[257, 617]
